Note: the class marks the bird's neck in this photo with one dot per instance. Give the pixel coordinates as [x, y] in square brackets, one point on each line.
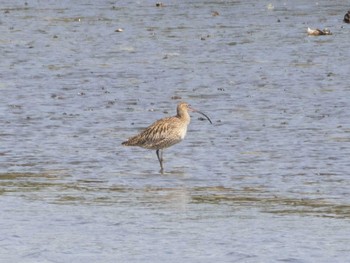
[184, 116]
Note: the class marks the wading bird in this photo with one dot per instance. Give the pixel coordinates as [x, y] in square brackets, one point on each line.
[165, 132]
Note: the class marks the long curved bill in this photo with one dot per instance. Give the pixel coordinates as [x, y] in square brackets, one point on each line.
[194, 110]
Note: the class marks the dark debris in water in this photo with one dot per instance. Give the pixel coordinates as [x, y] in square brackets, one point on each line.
[160, 4]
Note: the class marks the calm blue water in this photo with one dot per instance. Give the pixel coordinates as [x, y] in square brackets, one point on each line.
[267, 182]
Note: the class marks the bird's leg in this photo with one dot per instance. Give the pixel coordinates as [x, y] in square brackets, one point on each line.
[161, 155]
[160, 158]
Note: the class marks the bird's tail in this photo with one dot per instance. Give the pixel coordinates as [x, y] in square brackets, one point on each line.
[130, 142]
[126, 143]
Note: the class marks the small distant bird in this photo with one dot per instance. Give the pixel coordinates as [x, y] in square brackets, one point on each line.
[347, 17]
[318, 32]
[165, 132]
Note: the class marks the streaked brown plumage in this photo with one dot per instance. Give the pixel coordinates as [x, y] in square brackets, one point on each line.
[164, 132]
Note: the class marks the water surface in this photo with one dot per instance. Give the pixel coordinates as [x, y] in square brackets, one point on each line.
[267, 182]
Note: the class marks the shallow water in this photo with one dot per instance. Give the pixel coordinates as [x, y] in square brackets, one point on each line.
[267, 182]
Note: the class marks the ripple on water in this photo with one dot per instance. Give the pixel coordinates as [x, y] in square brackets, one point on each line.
[268, 181]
